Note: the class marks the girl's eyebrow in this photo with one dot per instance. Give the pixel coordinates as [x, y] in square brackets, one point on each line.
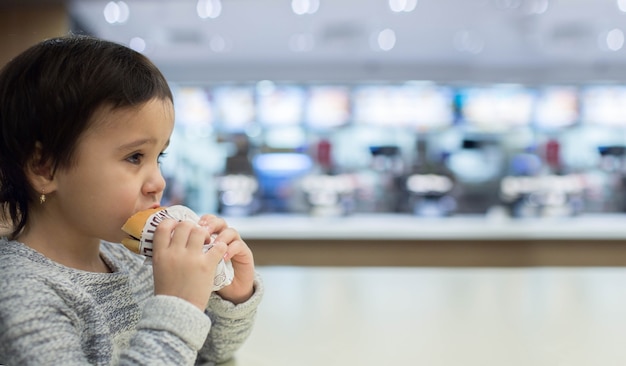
[141, 142]
[137, 143]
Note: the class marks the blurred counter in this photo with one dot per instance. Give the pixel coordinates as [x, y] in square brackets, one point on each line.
[402, 240]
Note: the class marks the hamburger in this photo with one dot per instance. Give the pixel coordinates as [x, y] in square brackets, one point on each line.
[140, 229]
[134, 227]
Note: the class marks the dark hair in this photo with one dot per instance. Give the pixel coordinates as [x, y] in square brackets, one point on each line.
[48, 95]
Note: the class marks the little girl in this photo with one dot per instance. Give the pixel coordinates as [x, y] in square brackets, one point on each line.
[83, 124]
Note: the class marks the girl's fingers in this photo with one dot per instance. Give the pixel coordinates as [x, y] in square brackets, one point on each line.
[197, 237]
[216, 224]
[217, 251]
[220, 232]
[228, 235]
[163, 234]
[181, 234]
[243, 253]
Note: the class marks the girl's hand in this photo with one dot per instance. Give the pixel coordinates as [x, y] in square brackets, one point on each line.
[180, 268]
[240, 256]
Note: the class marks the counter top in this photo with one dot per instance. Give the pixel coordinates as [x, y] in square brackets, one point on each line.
[405, 227]
[459, 241]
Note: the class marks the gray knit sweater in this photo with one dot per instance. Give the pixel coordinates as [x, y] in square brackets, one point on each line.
[54, 315]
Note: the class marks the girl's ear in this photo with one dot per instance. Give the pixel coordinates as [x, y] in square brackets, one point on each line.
[40, 173]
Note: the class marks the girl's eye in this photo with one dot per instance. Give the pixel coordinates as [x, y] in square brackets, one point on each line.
[135, 158]
[161, 156]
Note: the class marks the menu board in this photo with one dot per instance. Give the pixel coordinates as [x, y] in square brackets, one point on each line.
[432, 107]
[193, 105]
[281, 105]
[604, 105]
[235, 108]
[556, 107]
[496, 109]
[327, 107]
[419, 107]
[382, 105]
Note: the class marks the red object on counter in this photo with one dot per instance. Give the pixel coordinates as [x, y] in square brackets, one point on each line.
[553, 158]
[323, 154]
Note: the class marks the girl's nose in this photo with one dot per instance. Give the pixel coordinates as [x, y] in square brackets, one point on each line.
[155, 183]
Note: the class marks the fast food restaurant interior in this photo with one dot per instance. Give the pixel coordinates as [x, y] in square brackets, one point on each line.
[422, 182]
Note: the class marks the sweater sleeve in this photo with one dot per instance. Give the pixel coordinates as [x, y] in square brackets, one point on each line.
[47, 325]
[231, 325]
[170, 332]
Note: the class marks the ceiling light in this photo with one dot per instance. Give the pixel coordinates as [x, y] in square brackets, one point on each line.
[116, 12]
[386, 39]
[209, 8]
[399, 6]
[301, 7]
[615, 39]
[138, 44]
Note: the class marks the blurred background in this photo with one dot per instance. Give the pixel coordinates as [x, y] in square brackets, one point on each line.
[399, 120]
[429, 109]
[334, 109]
[397, 133]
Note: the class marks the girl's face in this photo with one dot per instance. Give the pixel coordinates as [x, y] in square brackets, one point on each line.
[117, 170]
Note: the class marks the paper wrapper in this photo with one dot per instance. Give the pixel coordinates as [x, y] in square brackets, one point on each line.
[224, 273]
